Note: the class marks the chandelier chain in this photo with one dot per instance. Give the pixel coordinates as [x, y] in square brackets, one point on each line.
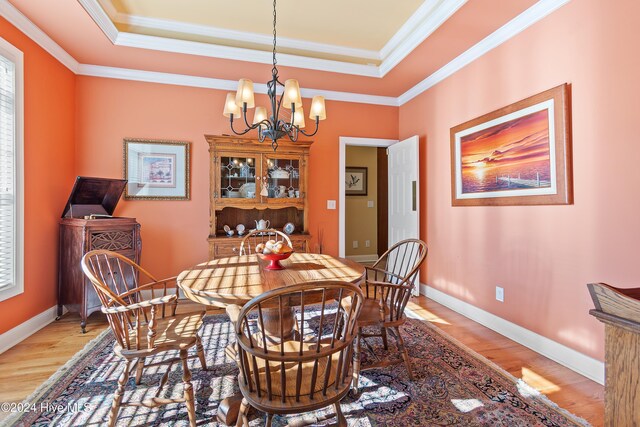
[274, 71]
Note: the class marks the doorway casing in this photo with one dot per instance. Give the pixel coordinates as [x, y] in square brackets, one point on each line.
[344, 141]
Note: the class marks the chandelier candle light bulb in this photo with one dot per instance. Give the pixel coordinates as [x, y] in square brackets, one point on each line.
[259, 115]
[291, 95]
[230, 106]
[269, 125]
[298, 118]
[318, 111]
[244, 95]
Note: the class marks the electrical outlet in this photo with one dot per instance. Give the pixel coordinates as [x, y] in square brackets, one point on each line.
[369, 203]
[331, 204]
[500, 294]
[355, 244]
[367, 243]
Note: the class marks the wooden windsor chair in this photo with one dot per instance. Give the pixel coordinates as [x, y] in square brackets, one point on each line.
[144, 321]
[251, 240]
[311, 371]
[388, 285]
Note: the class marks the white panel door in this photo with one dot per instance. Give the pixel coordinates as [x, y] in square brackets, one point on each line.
[404, 192]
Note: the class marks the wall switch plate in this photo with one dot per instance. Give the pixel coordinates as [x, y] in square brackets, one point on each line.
[369, 203]
[500, 294]
[355, 244]
[367, 243]
[331, 204]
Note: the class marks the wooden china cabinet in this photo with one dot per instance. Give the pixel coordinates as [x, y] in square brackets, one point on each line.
[240, 169]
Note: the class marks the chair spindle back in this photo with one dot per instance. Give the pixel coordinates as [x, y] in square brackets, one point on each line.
[116, 280]
[392, 277]
[319, 355]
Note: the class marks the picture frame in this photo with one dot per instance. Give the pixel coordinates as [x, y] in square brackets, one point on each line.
[356, 181]
[517, 155]
[156, 169]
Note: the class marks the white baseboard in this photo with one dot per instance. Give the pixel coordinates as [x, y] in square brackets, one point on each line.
[572, 359]
[28, 328]
[363, 258]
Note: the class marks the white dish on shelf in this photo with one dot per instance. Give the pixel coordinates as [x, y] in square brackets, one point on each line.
[234, 194]
[247, 188]
[289, 228]
[240, 229]
[279, 173]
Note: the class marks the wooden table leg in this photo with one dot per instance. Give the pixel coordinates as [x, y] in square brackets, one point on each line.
[272, 321]
[228, 409]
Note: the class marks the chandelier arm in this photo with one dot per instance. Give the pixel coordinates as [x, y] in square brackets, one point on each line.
[314, 132]
[244, 115]
[249, 129]
[273, 126]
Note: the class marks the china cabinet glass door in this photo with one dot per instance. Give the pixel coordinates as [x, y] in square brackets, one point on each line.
[282, 179]
[237, 177]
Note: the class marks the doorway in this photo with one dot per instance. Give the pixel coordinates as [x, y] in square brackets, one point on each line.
[363, 234]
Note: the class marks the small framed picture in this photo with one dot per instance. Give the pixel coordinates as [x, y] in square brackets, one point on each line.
[355, 181]
[156, 169]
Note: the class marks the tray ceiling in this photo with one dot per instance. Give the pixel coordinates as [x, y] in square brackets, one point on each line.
[359, 24]
[439, 37]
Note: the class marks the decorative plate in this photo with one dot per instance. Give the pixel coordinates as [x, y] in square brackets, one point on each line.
[226, 228]
[246, 188]
[240, 229]
[289, 228]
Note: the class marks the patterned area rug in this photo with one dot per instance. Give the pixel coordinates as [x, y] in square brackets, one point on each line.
[453, 387]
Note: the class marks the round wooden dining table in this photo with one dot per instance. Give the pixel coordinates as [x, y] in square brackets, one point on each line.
[236, 280]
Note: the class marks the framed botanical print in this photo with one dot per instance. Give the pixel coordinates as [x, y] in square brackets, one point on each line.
[156, 169]
[355, 181]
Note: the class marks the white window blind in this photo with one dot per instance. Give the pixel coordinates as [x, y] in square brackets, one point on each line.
[10, 171]
[7, 169]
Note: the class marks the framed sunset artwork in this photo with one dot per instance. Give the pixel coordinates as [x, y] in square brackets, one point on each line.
[517, 155]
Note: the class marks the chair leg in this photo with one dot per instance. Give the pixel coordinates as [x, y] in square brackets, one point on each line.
[117, 397]
[384, 338]
[188, 389]
[403, 350]
[342, 421]
[139, 369]
[201, 355]
[269, 420]
[243, 420]
[356, 364]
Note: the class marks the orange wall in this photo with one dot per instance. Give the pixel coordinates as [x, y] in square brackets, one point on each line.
[543, 255]
[49, 91]
[173, 232]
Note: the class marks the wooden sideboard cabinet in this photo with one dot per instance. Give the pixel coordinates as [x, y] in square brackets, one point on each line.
[80, 233]
[248, 182]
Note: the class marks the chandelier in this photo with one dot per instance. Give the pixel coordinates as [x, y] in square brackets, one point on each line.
[276, 125]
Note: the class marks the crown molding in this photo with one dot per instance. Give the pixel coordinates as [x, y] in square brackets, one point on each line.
[428, 18]
[527, 18]
[220, 84]
[24, 24]
[97, 12]
[240, 54]
[518, 24]
[244, 36]
[422, 23]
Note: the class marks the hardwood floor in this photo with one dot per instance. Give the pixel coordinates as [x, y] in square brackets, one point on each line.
[24, 367]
